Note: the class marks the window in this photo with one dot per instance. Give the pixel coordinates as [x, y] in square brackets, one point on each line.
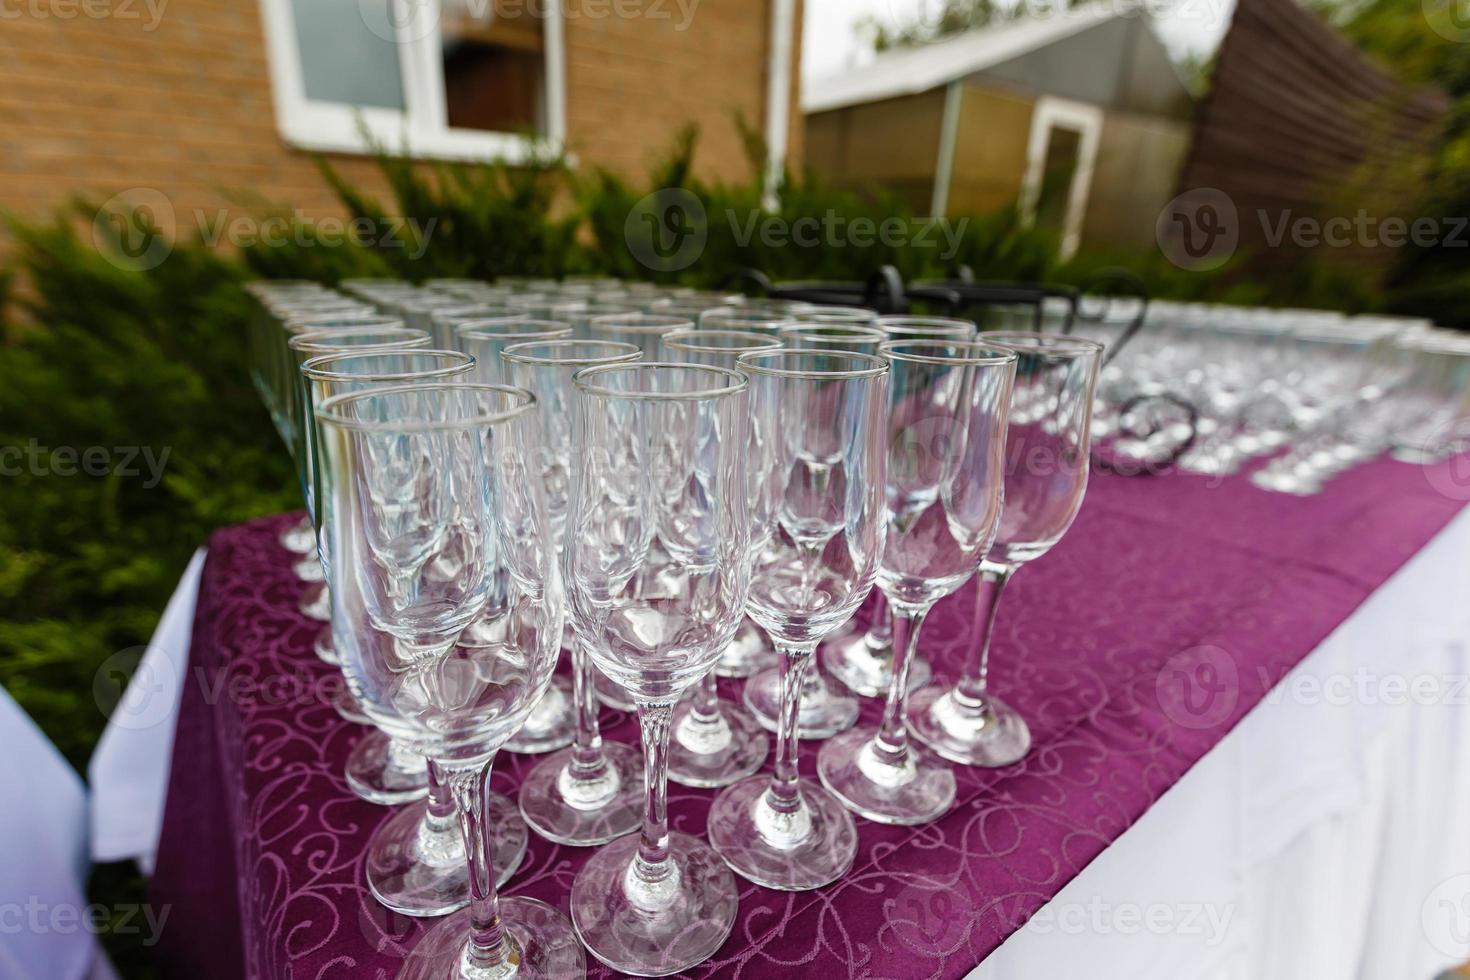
[453, 79]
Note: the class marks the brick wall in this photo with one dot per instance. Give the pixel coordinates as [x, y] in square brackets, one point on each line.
[99, 105]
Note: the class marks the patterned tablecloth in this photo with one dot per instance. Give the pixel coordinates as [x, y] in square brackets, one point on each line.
[1168, 611]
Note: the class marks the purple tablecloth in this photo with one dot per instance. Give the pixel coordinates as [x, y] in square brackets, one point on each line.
[1169, 610]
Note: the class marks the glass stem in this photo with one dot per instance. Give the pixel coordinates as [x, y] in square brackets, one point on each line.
[588, 760]
[880, 630]
[707, 698]
[989, 584]
[440, 816]
[488, 949]
[892, 741]
[785, 792]
[653, 878]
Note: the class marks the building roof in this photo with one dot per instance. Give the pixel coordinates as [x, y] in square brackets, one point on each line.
[909, 71]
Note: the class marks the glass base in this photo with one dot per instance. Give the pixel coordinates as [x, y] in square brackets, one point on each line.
[611, 693]
[918, 790]
[749, 652]
[866, 667]
[609, 807]
[807, 850]
[991, 737]
[379, 775]
[416, 870]
[325, 650]
[309, 570]
[316, 603]
[545, 947]
[299, 538]
[824, 711]
[347, 705]
[551, 725]
[709, 753]
[692, 919]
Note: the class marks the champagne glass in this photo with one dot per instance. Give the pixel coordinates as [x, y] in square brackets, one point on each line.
[434, 516]
[837, 315]
[818, 485]
[658, 567]
[745, 319]
[863, 662]
[552, 724]
[590, 793]
[715, 742]
[302, 345]
[485, 339]
[415, 861]
[641, 329]
[948, 405]
[818, 335]
[1048, 442]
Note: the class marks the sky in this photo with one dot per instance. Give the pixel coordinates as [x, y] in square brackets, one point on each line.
[830, 42]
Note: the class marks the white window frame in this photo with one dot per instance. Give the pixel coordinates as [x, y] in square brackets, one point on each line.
[1085, 119]
[422, 129]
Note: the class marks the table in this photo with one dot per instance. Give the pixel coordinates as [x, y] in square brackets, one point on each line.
[1169, 611]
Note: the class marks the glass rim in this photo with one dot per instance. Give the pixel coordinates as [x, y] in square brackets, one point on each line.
[1043, 344]
[878, 369]
[738, 314]
[948, 326]
[546, 329]
[309, 324]
[678, 340]
[985, 354]
[807, 330]
[585, 380]
[326, 410]
[313, 341]
[461, 312]
[521, 353]
[644, 323]
[314, 368]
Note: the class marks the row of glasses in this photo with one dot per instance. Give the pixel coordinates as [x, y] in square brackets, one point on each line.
[434, 511]
[415, 862]
[808, 518]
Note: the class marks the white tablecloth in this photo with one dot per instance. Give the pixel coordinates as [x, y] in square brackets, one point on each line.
[1328, 836]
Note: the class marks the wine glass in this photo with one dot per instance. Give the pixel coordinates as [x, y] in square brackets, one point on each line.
[818, 485]
[715, 742]
[1048, 442]
[658, 567]
[590, 793]
[415, 861]
[863, 662]
[435, 519]
[948, 407]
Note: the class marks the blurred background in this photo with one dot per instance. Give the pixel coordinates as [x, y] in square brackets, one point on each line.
[155, 154]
